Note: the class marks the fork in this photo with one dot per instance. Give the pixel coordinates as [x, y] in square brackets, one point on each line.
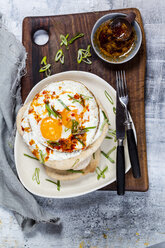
[132, 148]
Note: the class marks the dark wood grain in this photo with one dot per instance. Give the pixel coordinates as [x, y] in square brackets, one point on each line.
[135, 70]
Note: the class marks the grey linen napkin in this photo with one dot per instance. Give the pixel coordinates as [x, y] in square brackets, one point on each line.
[13, 195]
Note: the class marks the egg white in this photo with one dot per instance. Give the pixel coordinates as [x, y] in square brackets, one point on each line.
[95, 116]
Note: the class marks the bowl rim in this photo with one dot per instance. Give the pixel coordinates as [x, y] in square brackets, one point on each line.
[99, 21]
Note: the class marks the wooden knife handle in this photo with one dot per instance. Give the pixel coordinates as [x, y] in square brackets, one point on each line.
[120, 170]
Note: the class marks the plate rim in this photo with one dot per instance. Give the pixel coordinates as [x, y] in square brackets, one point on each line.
[17, 136]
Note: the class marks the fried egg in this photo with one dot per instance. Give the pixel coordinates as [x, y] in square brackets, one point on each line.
[61, 120]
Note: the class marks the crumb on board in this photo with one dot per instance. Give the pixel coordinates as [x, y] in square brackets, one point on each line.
[146, 243]
[104, 236]
[81, 244]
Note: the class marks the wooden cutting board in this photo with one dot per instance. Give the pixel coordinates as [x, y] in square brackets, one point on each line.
[135, 69]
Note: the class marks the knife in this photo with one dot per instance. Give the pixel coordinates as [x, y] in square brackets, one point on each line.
[120, 159]
[160, 245]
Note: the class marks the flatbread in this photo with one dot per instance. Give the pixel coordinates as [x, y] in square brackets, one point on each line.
[64, 175]
[70, 163]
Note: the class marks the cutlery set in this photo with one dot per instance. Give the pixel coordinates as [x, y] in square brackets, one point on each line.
[124, 126]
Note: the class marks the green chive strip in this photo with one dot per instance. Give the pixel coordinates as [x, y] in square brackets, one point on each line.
[42, 157]
[103, 124]
[75, 100]
[56, 112]
[53, 143]
[86, 97]
[106, 120]
[52, 111]
[64, 104]
[94, 156]
[112, 132]
[77, 160]
[45, 68]
[82, 143]
[30, 156]
[100, 173]
[58, 183]
[111, 150]
[43, 61]
[108, 97]
[59, 56]
[35, 176]
[107, 137]
[64, 40]
[75, 171]
[74, 127]
[114, 110]
[109, 158]
[83, 55]
[86, 129]
[78, 35]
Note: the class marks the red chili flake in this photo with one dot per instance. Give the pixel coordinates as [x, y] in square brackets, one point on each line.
[35, 153]
[48, 150]
[76, 96]
[31, 142]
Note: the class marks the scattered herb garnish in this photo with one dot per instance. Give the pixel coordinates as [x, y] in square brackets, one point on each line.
[109, 158]
[56, 112]
[78, 35]
[83, 55]
[86, 97]
[82, 143]
[108, 97]
[35, 176]
[111, 150]
[107, 137]
[64, 40]
[63, 104]
[112, 133]
[114, 110]
[84, 130]
[77, 160]
[59, 56]
[46, 67]
[105, 121]
[52, 111]
[93, 155]
[75, 171]
[100, 173]
[30, 156]
[57, 183]
[76, 100]
[66, 129]
[42, 160]
[74, 127]
[53, 143]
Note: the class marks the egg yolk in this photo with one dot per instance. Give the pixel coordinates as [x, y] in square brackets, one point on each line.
[51, 128]
[68, 116]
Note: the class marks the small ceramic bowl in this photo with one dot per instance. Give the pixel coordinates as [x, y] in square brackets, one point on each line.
[134, 50]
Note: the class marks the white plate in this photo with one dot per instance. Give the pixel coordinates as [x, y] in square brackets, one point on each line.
[85, 184]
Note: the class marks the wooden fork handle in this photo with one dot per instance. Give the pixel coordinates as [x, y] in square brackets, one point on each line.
[133, 153]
